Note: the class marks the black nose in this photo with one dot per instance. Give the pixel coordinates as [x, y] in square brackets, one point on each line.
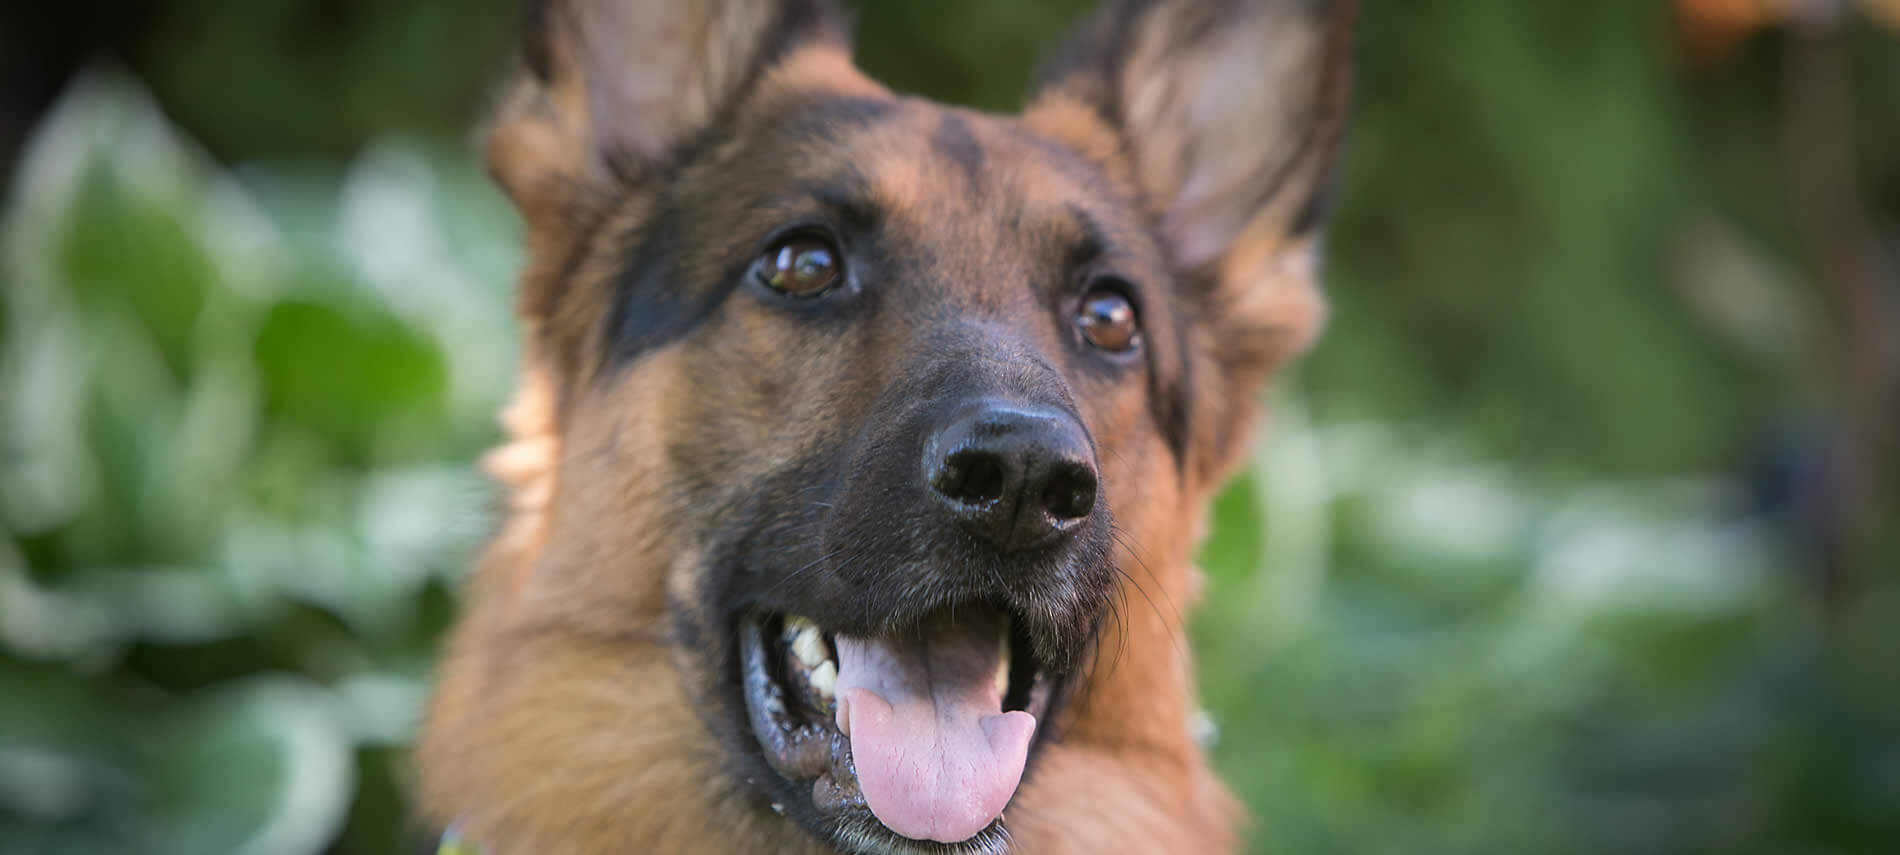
[1019, 477]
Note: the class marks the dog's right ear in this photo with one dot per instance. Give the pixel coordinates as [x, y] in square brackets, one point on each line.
[610, 92]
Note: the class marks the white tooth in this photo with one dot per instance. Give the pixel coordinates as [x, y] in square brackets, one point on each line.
[824, 678]
[795, 625]
[1002, 660]
[809, 647]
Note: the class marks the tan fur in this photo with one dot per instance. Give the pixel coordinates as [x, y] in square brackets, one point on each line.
[565, 717]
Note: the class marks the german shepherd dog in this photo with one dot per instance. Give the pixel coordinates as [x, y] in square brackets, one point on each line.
[863, 443]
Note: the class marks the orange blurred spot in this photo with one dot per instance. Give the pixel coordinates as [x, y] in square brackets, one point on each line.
[1711, 30]
[1887, 12]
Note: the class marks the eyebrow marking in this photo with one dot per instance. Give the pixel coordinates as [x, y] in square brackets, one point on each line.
[849, 199]
[650, 307]
[1092, 242]
[824, 116]
[953, 141]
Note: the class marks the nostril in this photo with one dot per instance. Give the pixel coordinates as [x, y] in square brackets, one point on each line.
[971, 476]
[1070, 492]
[1018, 478]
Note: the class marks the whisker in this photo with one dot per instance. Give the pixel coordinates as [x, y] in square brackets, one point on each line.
[1179, 624]
[787, 578]
[1116, 606]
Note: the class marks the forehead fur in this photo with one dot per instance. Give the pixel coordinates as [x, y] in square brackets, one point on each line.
[983, 207]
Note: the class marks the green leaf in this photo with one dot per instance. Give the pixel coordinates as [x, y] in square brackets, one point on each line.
[259, 768]
[128, 250]
[353, 375]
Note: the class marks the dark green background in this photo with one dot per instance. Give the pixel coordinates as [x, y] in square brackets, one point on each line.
[1543, 552]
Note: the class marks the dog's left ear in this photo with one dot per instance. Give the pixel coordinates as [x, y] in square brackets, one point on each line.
[1224, 117]
[609, 95]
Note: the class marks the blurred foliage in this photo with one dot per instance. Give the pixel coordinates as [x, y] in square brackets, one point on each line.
[237, 488]
[1497, 581]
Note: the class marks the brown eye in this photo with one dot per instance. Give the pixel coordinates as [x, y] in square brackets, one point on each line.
[800, 266]
[1107, 320]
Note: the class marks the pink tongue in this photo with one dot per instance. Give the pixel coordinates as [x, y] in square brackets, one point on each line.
[937, 757]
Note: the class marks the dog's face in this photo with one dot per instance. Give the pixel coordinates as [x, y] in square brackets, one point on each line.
[876, 409]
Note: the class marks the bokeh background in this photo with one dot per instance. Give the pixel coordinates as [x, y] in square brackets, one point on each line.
[1577, 533]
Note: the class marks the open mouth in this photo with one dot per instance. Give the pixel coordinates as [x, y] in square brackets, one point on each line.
[910, 742]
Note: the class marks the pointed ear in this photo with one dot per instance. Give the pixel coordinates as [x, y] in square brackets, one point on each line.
[1229, 111]
[1224, 119]
[615, 90]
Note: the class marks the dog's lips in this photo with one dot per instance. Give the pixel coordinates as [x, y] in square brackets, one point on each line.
[795, 747]
[923, 732]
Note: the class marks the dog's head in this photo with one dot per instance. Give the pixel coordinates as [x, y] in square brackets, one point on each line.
[875, 408]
